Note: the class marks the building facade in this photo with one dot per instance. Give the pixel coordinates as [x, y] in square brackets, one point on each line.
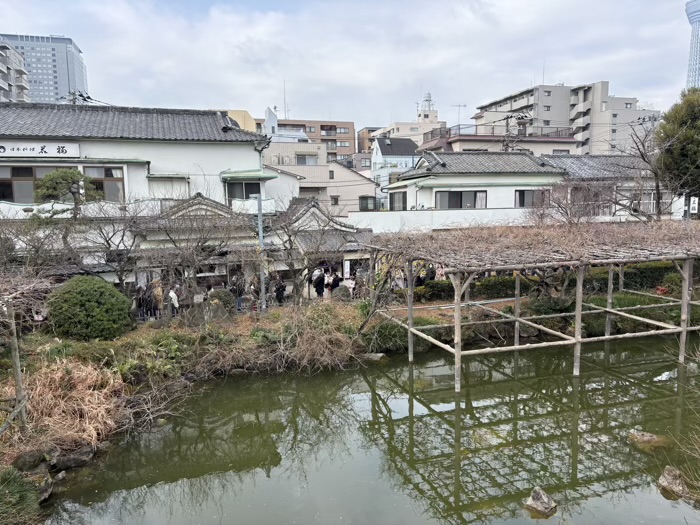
[692, 10]
[337, 136]
[135, 154]
[365, 139]
[54, 64]
[337, 187]
[390, 158]
[600, 122]
[14, 84]
[426, 120]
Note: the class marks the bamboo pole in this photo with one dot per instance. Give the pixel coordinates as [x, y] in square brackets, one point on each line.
[418, 333]
[20, 395]
[630, 316]
[685, 306]
[409, 301]
[611, 286]
[580, 275]
[516, 310]
[528, 323]
[662, 297]
[621, 278]
[457, 284]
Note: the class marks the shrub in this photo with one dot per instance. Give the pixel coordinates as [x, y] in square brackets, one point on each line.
[89, 308]
[439, 290]
[673, 282]
[645, 276]
[225, 297]
[500, 287]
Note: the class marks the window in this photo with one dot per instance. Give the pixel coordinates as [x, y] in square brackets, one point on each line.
[414, 130]
[273, 130]
[547, 93]
[331, 174]
[425, 115]
[614, 131]
[561, 152]
[343, 144]
[335, 200]
[628, 105]
[22, 172]
[366, 163]
[531, 198]
[614, 115]
[397, 201]
[368, 204]
[548, 108]
[460, 200]
[307, 160]
[241, 190]
[311, 129]
[547, 122]
[343, 130]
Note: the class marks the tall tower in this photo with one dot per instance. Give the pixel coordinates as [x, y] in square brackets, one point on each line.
[692, 9]
[427, 111]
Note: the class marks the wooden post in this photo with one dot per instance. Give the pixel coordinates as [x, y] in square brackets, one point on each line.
[17, 367]
[580, 275]
[372, 274]
[409, 300]
[621, 279]
[457, 284]
[516, 310]
[686, 297]
[608, 317]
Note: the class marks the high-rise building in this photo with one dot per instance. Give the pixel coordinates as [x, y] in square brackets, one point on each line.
[600, 122]
[692, 9]
[426, 120]
[14, 86]
[54, 65]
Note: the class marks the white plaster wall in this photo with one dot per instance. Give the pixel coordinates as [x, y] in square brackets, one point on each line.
[282, 189]
[395, 221]
[202, 162]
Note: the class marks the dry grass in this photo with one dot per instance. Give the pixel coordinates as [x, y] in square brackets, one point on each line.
[485, 248]
[71, 404]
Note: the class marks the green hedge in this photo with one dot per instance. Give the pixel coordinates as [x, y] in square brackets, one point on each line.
[225, 297]
[89, 308]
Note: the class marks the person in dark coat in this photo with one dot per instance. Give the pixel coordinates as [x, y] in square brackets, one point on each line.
[280, 289]
[319, 283]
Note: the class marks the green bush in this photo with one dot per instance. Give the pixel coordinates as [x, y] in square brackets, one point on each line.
[439, 290]
[674, 283]
[225, 297]
[550, 305]
[644, 276]
[500, 287]
[89, 308]
[19, 503]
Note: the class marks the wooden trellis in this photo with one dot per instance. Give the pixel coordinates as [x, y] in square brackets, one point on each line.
[470, 252]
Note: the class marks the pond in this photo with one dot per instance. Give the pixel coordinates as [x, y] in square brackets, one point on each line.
[393, 444]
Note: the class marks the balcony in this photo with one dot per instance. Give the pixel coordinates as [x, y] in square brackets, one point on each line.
[497, 130]
[3, 84]
[328, 133]
[581, 124]
[580, 109]
[21, 82]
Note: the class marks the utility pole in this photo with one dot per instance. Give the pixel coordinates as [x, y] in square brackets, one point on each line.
[508, 140]
[263, 299]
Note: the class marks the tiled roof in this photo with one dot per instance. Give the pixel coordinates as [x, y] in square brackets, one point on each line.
[397, 146]
[598, 166]
[480, 162]
[114, 122]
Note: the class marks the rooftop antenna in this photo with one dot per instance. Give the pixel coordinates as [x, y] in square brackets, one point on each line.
[544, 63]
[459, 112]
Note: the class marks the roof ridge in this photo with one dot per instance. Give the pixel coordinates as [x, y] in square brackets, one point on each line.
[109, 108]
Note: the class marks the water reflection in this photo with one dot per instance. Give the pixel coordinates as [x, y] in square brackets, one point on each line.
[395, 444]
[523, 421]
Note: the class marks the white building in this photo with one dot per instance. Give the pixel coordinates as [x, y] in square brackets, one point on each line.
[461, 189]
[138, 154]
[390, 158]
[14, 84]
[600, 121]
[426, 120]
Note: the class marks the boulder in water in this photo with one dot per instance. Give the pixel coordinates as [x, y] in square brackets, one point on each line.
[541, 503]
[671, 481]
[647, 442]
[76, 459]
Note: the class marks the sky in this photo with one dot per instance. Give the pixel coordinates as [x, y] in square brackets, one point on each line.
[368, 61]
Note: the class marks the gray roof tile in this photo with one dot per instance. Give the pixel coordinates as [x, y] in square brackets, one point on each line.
[598, 166]
[397, 146]
[116, 122]
[480, 162]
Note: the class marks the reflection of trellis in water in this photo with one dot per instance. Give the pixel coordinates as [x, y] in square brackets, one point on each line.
[518, 431]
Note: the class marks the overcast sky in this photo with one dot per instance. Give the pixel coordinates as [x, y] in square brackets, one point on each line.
[361, 60]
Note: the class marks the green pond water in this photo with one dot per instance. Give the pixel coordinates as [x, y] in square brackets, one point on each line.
[393, 444]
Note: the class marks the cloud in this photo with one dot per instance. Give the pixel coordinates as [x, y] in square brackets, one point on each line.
[366, 61]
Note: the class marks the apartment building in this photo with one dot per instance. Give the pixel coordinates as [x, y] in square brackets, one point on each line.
[600, 121]
[426, 120]
[55, 66]
[365, 139]
[14, 85]
[337, 136]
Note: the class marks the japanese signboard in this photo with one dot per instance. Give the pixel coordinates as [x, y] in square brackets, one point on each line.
[52, 149]
[693, 205]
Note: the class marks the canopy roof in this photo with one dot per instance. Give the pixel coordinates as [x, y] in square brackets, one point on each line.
[514, 247]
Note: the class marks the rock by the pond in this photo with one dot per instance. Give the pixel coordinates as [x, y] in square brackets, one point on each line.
[42, 483]
[647, 442]
[29, 460]
[60, 476]
[671, 481]
[528, 331]
[541, 503]
[75, 459]
[373, 358]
